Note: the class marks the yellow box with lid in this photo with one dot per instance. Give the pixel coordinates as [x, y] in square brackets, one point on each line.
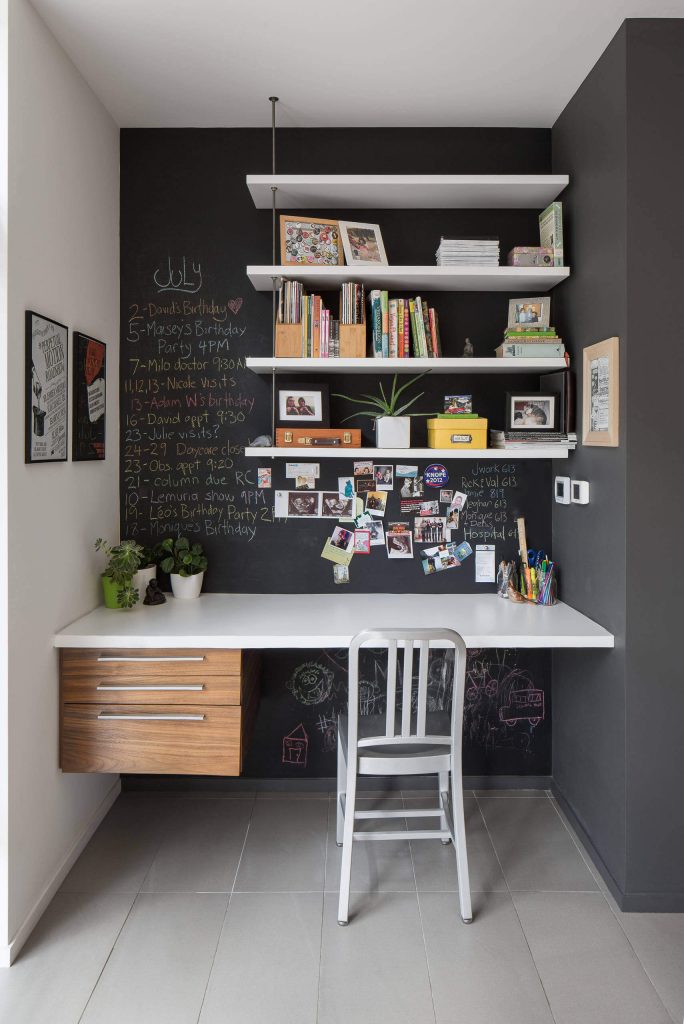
[457, 433]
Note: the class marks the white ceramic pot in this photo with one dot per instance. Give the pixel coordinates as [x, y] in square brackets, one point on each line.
[393, 431]
[186, 587]
[142, 577]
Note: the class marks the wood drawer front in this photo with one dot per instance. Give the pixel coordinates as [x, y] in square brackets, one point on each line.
[191, 740]
[148, 676]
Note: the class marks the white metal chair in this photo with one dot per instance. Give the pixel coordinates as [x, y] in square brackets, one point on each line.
[404, 741]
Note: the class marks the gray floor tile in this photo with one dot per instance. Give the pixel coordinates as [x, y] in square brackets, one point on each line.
[658, 940]
[285, 848]
[513, 794]
[435, 864]
[120, 852]
[409, 794]
[266, 965]
[374, 971]
[377, 866]
[596, 874]
[587, 967]
[158, 970]
[483, 972]
[200, 846]
[59, 966]
[292, 794]
[536, 851]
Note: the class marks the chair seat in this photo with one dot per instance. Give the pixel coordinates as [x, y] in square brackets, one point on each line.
[394, 756]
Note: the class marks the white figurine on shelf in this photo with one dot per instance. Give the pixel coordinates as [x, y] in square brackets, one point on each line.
[468, 350]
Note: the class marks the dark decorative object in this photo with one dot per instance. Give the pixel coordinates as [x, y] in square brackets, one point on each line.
[468, 350]
[90, 367]
[153, 595]
[47, 348]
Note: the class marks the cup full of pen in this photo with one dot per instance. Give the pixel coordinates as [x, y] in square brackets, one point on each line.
[535, 582]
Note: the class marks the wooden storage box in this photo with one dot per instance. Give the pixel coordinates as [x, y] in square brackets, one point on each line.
[457, 433]
[288, 341]
[305, 437]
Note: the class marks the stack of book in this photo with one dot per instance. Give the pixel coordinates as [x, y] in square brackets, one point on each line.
[401, 327]
[531, 343]
[525, 440]
[459, 252]
[320, 333]
[352, 302]
[290, 302]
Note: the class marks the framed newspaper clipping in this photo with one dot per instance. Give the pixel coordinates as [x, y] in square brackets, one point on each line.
[601, 394]
[46, 389]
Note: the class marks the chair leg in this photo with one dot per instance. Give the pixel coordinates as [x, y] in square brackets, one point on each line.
[341, 785]
[461, 849]
[347, 842]
[443, 781]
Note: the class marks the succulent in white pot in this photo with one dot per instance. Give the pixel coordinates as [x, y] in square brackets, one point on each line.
[185, 563]
[392, 422]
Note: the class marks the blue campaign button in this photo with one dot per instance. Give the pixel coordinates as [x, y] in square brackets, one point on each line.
[435, 475]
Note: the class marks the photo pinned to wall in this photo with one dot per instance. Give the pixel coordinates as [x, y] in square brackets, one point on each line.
[428, 508]
[463, 551]
[309, 241]
[362, 542]
[446, 497]
[297, 504]
[412, 487]
[362, 244]
[458, 501]
[89, 414]
[377, 533]
[264, 477]
[298, 470]
[458, 405]
[335, 507]
[339, 547]
[531, 411]
[298, 403]
[46, 389]
[363, 484]
[399, 542]
[601, 394]
[403, 470]
[384, 477]
[376, 502]
[345, 486]
[363, 467]
[535, 313]
[439, 558]
[340, 574]
[429, 529]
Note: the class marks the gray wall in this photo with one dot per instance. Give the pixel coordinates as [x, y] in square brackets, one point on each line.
[616, 715]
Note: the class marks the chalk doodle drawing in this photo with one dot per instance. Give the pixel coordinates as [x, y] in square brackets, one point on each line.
[296, 746]
[502, 706]
[327, 726]
[311, 683]
[523, 706]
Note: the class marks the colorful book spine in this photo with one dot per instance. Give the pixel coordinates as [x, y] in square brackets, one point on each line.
[384, 309]
[407, 330]
[426, 329]
[393, 329]
[400, 328]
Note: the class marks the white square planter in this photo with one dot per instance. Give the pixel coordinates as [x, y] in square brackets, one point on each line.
[393, 431]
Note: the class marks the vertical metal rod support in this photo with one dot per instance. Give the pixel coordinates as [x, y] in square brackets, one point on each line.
[273, 100]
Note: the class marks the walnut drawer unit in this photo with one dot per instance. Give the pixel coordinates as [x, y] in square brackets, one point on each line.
[157, 711]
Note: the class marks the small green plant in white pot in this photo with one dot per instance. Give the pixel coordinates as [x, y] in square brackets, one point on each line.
[123, 561]
[185, 563]
[392, 422]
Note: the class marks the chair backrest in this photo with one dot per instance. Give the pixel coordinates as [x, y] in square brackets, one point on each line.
[412, 726]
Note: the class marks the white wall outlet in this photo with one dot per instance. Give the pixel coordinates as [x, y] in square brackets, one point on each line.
[561, 490]
[580, 492]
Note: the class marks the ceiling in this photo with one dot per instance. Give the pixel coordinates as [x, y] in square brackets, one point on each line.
[210, 63]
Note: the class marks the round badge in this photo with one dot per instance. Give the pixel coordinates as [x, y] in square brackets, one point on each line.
[435, 475]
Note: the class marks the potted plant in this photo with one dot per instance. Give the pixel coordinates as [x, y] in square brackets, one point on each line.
[123, 561]
[392, 423]
[147, 570]
[185, 563]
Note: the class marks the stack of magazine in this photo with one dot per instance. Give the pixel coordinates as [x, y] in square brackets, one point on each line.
[468, 252]
[526, 440]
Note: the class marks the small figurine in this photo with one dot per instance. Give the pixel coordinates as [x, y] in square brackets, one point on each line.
[153, 594]
[468, 350]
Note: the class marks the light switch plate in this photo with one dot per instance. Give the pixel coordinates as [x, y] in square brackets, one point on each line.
[580, 492]
[561, 490]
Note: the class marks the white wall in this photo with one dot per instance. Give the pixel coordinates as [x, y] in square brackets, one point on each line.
[63, 249]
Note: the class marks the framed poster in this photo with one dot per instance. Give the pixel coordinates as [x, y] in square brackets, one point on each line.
[601, 394]
[46, 389]
[88, 429]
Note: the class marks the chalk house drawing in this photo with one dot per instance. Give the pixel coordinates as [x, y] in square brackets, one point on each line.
[296, 746]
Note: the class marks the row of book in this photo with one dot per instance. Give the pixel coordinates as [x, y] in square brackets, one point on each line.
[290, 297]
[531, 343]
[468, 252]
[320, 333]
[352, 303]
[403, 327]
[527, 440]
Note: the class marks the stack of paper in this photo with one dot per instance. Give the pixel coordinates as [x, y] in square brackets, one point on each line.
[481, 252]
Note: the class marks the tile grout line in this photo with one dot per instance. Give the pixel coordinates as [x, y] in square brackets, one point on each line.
[107, 958]
[420, 915]
[323, 895]
[515, 909]
[225, 914]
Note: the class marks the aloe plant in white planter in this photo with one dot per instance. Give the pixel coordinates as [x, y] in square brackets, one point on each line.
[392, 422]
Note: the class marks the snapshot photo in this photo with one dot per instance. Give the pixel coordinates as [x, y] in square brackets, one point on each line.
[446, 497]
[363, 468]
[362, 244]
[531, 412]
[412, 487]
[302, 404]
[453, 519]
[264, 477]
[399, 545]
[428, 508]
[456, 405]
[429, 529]
[384, 478]
[362, 542]
[377, 533]
[341, 573]
[376, 502]
[363, 484]
[341, 538]
[439, 558]
[335, 507]
[345, 486]
[532, 313]
[458, 500]
[301, 503]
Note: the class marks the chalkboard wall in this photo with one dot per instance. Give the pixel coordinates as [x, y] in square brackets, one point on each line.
[189, 406]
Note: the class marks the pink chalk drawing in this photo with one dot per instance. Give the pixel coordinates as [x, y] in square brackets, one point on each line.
[296, 746]
[523, 706]
[234, 305]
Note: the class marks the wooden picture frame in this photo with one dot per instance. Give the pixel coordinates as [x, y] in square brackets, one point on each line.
[310, 242]
[601, 394]
[90, 399]
[46, 389]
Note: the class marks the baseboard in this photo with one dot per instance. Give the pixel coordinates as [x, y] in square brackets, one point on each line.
[9, 953]
[199, 783]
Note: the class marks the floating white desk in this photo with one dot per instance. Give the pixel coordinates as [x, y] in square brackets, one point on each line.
[329, 620]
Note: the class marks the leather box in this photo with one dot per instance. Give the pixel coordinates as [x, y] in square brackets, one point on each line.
[309, 437]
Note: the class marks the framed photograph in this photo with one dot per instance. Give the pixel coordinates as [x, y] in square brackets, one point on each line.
[601, 394]
[89, 401]
[299, 403]
[531, 412]
[534, 313]
[310, 242]
[362, 244]
[46, 389]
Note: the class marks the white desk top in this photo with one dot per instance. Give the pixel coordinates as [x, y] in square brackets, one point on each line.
[330, 620]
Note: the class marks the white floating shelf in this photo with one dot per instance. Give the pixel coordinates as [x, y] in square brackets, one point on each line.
[431, 279]
[377, 366]
[405, 454]
[405, 191]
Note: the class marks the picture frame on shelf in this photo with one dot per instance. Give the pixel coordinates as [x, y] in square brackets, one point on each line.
[363, 245]
[90, 399]
[531, 411]
[310, 242]
[534, 314]
[601, 394]
[46, 389]
[301, 403]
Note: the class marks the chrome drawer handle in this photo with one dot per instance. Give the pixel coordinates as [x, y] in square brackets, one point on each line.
[163, 688]
[108, 657]
[108, 716]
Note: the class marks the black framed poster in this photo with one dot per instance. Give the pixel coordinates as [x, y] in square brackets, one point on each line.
[47, 389]
[90, 368]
